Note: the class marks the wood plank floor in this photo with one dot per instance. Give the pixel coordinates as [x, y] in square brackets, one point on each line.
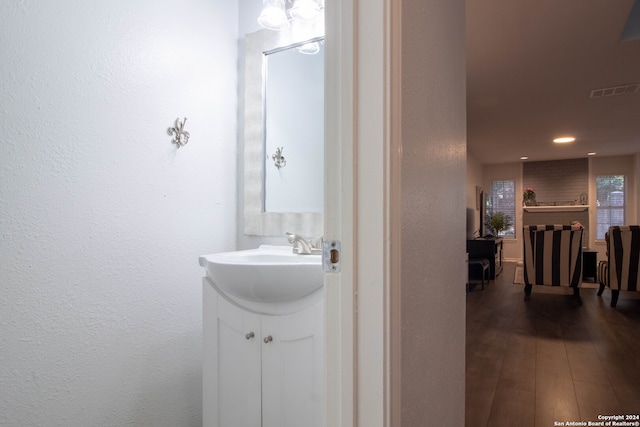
[548, 359]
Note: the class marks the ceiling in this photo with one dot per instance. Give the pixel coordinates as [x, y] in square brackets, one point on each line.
[531, 67]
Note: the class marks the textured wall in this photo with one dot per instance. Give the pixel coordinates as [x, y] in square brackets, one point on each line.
[433, 213]
[557, 180]
[101, 218]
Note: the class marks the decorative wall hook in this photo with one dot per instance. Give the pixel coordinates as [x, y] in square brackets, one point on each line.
[278, 159]
[181, 136]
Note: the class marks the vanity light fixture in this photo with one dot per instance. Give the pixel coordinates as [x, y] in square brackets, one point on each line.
[310, 48]
[591, 153]
[564, 140]
[273, 15]
[524, 158]
[305, 10]
[278, 14]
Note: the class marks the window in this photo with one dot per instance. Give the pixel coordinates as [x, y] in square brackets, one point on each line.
[610, 202]
[503, 199]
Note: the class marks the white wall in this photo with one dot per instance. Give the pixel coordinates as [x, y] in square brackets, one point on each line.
[248, 12]
[432, 215]
[102, 219]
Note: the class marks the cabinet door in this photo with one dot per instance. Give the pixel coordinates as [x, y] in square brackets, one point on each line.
[231, 369]
[293, 369]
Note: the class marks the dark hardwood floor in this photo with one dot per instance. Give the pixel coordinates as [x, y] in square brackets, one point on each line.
[546, 360]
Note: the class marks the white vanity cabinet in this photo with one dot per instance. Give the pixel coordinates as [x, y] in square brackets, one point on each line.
[262, 370]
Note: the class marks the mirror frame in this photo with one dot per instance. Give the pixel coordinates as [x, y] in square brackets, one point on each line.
[256, 221]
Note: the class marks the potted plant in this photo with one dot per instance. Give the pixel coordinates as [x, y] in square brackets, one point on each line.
[497, 222]
[528, 196]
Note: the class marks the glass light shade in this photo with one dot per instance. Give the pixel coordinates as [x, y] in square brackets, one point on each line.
[305, 10]
[309, 48]
[273, 15]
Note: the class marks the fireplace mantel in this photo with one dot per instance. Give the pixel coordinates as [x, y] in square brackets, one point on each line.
[569, 208]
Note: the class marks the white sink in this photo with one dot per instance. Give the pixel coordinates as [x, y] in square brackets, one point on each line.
[266, 274]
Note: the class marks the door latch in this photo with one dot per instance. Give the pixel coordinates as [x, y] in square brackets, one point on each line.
[331, 256]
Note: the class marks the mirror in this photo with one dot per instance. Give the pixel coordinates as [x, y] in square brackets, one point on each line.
[294, 131]
[284, 135]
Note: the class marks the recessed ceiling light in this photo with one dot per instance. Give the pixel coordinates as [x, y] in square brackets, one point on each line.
[591, 153]
[564, 140]
[524, 158]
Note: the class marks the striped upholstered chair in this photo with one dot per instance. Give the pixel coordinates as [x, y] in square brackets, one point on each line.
[552, 256]
[620, 271]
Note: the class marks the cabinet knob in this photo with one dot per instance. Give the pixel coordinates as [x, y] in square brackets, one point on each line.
[250, 335]
[268, 339]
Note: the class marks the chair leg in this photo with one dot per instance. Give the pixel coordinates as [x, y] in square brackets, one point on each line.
[527, 292]
[614, 297]
[601, 290]
[576, 295]
[485, 274]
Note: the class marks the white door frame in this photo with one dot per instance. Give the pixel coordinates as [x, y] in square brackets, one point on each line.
[366, 204]
[362, 161]
[338, 225]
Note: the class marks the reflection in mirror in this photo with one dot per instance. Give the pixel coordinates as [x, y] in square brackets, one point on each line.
[283, 148]
[294, 130]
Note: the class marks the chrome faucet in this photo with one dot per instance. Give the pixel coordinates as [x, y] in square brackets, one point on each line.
[303, 246]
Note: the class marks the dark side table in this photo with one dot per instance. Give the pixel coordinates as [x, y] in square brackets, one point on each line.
[589, 265]
[490, 249]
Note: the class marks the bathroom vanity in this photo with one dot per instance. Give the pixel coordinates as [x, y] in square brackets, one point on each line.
[263, 351]
[264, 308]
